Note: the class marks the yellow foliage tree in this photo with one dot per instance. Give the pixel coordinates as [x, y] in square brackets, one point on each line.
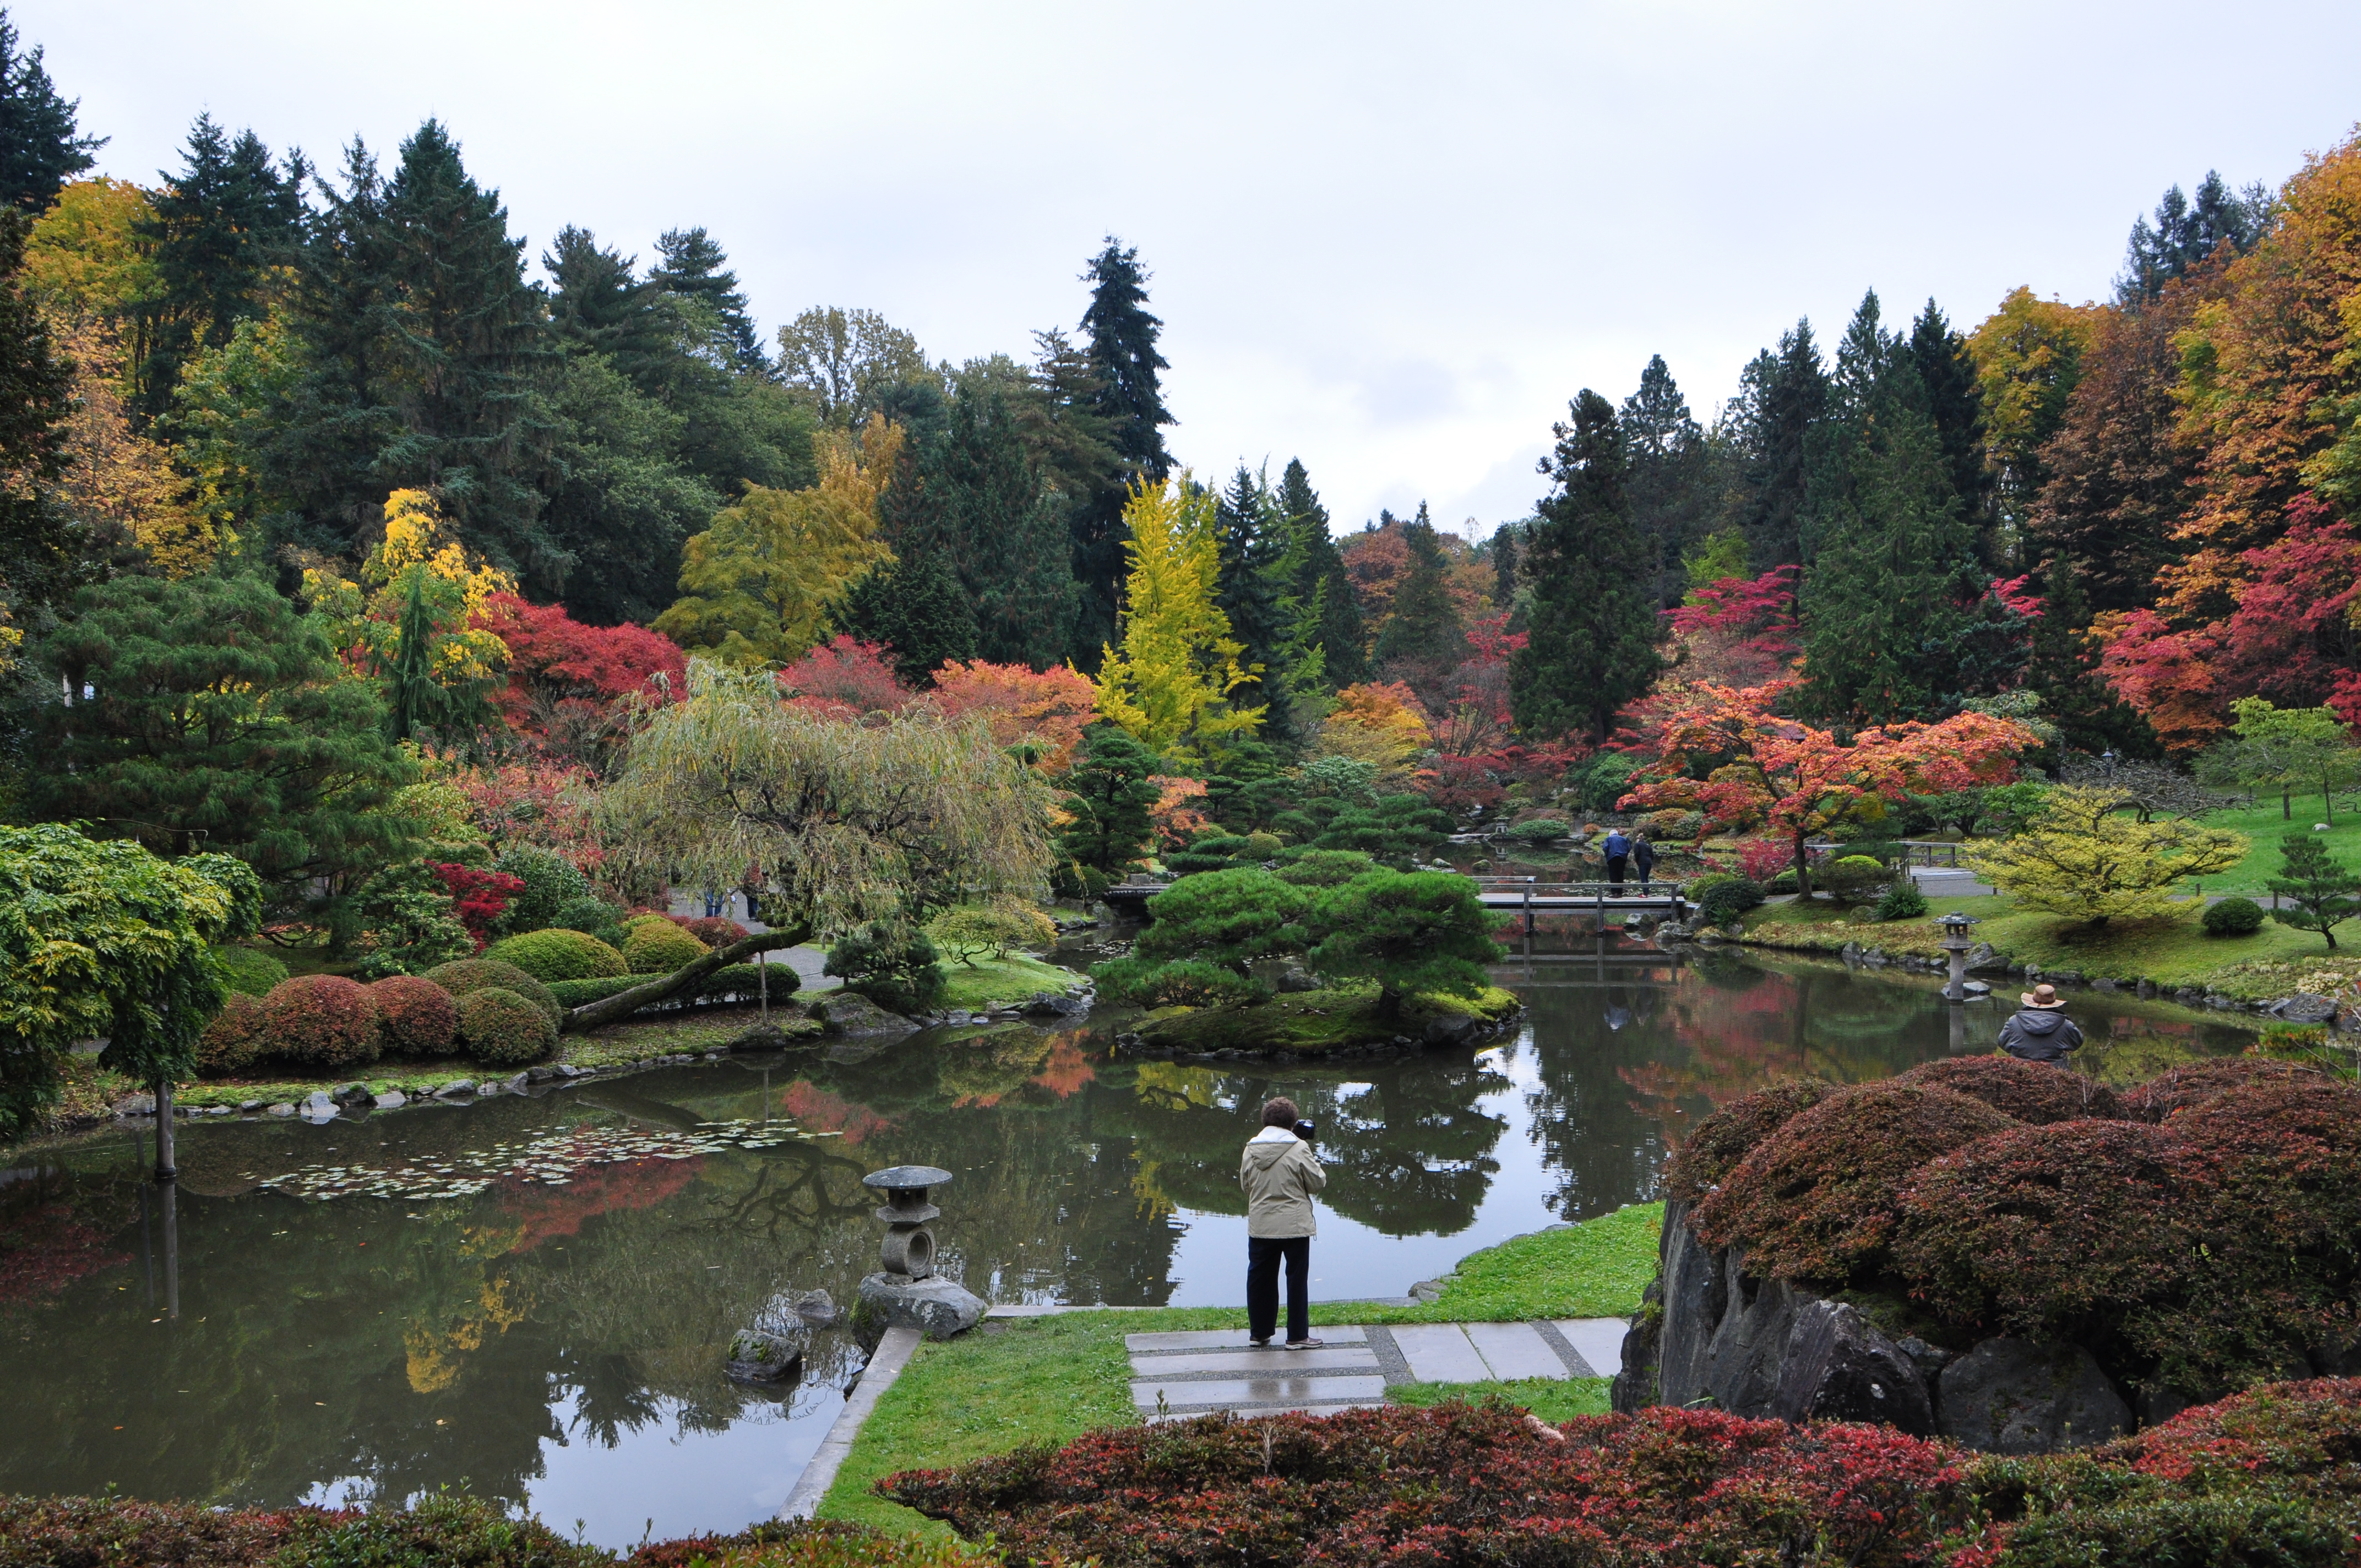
[117, 481]
[1169, 683]
[2085, 858]
[2028, 356]
[364, 616]
[84, 259]
[1380, 725]
[755, 586]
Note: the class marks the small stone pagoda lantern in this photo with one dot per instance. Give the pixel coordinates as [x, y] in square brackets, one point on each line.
[1956, 946]
[909, 1247]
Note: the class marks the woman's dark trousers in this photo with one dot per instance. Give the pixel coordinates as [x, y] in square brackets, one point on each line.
[1263, 1253]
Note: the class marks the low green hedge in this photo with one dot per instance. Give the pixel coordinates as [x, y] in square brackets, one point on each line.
[732, 982]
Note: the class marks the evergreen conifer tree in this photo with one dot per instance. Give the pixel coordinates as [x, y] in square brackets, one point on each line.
[1004, 529]
[599, 304]
[1955, 404]
[1322, 591]
[39, 150]
[222, 229]
[1594, 629]
[1782, 399]
[1128, 400]
[1253, 591]
[2062, 670]
[40, 542]
[916, 606]
[694, 266]
[1669, 480]
[1425, 639]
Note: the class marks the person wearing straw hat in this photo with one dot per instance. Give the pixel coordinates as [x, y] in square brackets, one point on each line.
[2041, 1032]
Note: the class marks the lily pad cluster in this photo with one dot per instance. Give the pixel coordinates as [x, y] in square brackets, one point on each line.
[552, 1160]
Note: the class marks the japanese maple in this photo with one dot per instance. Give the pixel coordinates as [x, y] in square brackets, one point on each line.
[1048, 708]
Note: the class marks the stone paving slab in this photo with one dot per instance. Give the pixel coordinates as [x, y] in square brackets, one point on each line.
[1599, 1341]
[1253, 1395]
[1441, 1352]
[1360, 1357]
[1200, 1340]
[1514, 1350]
[1150, 1417]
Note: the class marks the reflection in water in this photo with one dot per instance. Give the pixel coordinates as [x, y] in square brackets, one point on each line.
[559, 1344]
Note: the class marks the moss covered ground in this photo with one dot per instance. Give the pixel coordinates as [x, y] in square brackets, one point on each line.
[1001, 982]
[1310, 1022]
[1033, 1380]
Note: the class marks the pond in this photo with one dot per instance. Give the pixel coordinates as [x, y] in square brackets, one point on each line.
[529, 1295]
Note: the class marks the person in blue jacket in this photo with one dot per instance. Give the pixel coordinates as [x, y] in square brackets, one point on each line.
[1618, 851]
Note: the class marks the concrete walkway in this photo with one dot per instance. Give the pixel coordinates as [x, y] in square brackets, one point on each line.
[1176, 1375]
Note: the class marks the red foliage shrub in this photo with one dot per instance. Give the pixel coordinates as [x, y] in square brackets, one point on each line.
[321, 1020]
[844, 678]
[1456, 1484]
[1730, 1135]
[233, 1040]
[416, 1017]
[503, 1028]
[555, 658]
[2196, 1082]
[716, 931]
[479, 899]
[1815, 1200]
[2050, 1232]
[91, 1532]
[2029, 1092]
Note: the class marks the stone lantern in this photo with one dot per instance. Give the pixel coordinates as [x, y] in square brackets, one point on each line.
[909, 1247]
[907, 1293]
[1955, 945]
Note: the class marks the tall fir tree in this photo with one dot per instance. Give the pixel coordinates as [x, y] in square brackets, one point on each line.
[1424, 641]
[1258, 570]
[1670, 489]
[993, 515]
[1955, 404]
[916, 606]
[1782, 399]
[1594, 628]
[693, 266]
[1323, 589]
[599, 304]
[40, 148]
[223, 230]
[1128, 400]
[2062, 670]
[2187, 234]
[41, 544]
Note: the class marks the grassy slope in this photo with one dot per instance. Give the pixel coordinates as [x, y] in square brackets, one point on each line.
[1032, 1380]
[2266, 828]
[2173, 952]
[999, 983]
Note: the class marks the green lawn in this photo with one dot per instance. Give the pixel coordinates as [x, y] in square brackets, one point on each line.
[1001, 982]
[1049, 1380]
[2267, 828]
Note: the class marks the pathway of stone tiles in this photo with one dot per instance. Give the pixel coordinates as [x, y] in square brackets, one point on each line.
[1175, 1376]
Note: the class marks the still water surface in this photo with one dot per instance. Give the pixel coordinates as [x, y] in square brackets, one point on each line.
[530, 1295]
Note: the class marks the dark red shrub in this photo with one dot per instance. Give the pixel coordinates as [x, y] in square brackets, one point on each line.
[2032, 1092]
[416, 1017]
[716, 931]
[479, 899]
[1816, 1200]
[320, 1020]
[2054, 1232]
[1716, 1143]
[233, 1040]
[2196, 1082]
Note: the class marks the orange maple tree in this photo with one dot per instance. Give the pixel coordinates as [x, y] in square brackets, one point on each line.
[1722, 751]
[1048, 708]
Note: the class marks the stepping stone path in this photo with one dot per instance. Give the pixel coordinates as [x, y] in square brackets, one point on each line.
[1176, 1375]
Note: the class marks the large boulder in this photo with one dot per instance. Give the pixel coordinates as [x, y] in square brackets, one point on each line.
[1838, 1368]
[1693, 1295]
[936, 1307]
[1743, 1361]
[2012, 1395]
[850, 1013]
[757, 1356]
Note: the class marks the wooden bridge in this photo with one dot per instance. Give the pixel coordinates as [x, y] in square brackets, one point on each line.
[1530, 897]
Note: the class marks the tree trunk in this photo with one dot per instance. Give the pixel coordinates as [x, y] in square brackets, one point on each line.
[165, 1171]
[623, 1003]
[1803, 872]
[2287, 803]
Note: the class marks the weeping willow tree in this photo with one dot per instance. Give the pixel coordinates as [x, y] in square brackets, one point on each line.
[840, 824]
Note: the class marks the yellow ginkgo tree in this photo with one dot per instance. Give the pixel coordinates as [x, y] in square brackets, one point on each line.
[755, 586]
[1169, 683]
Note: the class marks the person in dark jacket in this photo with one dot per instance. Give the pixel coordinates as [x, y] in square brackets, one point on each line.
[1643, 859]
[1618, 851]
[2041, 1032]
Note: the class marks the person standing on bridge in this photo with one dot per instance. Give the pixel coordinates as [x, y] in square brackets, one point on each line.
[1644, 858]
[1618, 851]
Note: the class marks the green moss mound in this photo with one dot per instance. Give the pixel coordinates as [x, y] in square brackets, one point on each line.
[1310, 1022]
[249, 970]
[558, 954]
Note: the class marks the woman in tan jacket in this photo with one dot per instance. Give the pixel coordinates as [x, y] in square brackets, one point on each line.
[1279, 1174]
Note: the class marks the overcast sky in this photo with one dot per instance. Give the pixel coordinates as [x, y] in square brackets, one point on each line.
[1392, 240]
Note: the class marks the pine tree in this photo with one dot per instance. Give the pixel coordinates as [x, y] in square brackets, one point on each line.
[916, 608]
[599, 304]
[1322, 588]
[2062, 670]
[223, 229]
[695, 267]
[1424, 641]
[1506, 541]
[1005, 529]
[1669, 489]
[1593, 628]
[1782, 399]
[38, 149]
[1258, 571]
[1955, 404]
[40, 544]
[1128, 399]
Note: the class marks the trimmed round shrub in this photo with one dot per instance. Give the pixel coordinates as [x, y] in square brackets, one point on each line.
[415, 1016]
[659, 947]
[502, 1028]
[320, 1020]
[1264, 846]
[1901, 901]
[717, 930]
[558, 954]
[1850, 876]
[1730, 1135]
[2194, 1083]
[248, 970]
[895, 968]
[2032, 1092]
[1540, 829]
[594, 916]
[2232, 917]
[233, 1040]
[1815, 1200]
[2053, 1233]
[469, 975]
[551, 882]
[1785, 881]
[1722, 896]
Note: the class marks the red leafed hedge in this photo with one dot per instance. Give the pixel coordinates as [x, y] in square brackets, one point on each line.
[233, 1041]
[416, 1017]
[1817, 1200]
[1726, 1136]
[716, 931]
[2196, 1082]
[321, 1020]
[2029, 1092]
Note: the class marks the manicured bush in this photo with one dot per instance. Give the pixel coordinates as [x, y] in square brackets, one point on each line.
[1850, 876]
[966, 933]
[2198, 1081]
[740, 982]
[1901, 901]
[249, 970]
[1722, 896]
[557, 954]
[233, 1040]
[320, 1021]
[443, 1528]
[1785, 881]
[1719, 1142]
[2032, 1092]
[503, 1029]
[551, 882]
[717, 930]
[593, 916]
[1816, 1200]
[659, 947]
[891, 966]
[1539, 830]
[475, 974]
[1264, 846]
[2056, 1232]
[415, 1016]
[1176, 982]
[2232, 917]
